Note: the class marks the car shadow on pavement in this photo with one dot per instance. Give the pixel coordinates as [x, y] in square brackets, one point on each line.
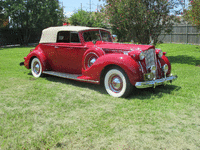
[142, 94]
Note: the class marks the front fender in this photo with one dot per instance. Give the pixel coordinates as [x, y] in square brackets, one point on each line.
[164, 60]
[40, 55]
[129, 65]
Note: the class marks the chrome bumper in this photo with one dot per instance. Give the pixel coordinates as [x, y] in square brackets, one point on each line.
[154, 83]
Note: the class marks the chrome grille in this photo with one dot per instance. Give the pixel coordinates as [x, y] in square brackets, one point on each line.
[150, 58]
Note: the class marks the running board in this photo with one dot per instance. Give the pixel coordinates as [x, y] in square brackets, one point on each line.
[78, 77]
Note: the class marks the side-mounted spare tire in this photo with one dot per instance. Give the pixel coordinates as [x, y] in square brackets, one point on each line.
[90, 56]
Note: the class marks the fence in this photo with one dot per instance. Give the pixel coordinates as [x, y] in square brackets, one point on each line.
[9, 36]
[182, 33]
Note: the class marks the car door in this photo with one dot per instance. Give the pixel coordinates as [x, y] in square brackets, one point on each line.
[49, 51]
[69, 52]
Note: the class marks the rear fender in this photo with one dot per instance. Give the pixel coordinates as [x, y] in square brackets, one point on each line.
[129, 65]
[40, 55]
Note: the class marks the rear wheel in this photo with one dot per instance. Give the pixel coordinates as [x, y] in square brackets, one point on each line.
[117, 83]
[36, 68]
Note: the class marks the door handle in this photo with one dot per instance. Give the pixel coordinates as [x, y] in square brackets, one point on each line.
[56, 47]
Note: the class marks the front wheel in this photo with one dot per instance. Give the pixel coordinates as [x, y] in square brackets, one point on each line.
[117, 83]
[36, 68]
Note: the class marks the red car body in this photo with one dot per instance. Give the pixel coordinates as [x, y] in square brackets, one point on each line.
[88, 54]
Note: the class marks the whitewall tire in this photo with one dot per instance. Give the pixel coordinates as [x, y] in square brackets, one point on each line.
[117, 83]
[36, 68]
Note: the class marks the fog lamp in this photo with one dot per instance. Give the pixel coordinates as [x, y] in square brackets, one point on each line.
[148, 76]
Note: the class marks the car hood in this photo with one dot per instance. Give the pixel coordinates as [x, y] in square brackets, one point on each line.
[123, 47]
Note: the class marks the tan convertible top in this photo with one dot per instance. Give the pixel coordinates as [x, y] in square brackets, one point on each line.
[49, 35]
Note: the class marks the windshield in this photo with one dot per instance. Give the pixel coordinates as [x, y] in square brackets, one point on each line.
[97, 35]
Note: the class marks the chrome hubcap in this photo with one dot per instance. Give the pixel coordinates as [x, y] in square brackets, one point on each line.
[115, 83]
[36, 68]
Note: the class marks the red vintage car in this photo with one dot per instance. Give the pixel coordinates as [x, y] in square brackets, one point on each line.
[89, 55]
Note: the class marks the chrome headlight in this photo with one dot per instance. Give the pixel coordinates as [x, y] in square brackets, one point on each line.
[165, 68]
[141, 56]
[137, 54]
[160, 54]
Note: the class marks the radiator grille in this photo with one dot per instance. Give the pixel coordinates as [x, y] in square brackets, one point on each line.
[150, 58]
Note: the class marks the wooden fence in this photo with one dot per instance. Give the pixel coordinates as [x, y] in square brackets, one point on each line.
[182, 33]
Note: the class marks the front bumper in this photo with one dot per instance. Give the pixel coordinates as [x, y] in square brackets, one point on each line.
[156, 82]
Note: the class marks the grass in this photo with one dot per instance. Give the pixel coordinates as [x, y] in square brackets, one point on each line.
[56, 113]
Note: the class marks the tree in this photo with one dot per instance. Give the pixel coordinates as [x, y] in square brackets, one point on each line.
[193, 14]
[83, 18]
[28, 14]
[142, 18]
[3, 19]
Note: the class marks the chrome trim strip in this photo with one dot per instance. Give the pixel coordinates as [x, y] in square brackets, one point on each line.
[159, 63]
[156, 75]
[114, 50]
[154, 83]
[160, 68]
[100, 35]
[102, 50]
[68, 76]
[141, 66]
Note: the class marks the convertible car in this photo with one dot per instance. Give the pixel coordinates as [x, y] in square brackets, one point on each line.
[89, 55]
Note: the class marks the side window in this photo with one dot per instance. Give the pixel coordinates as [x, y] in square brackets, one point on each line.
[63, 37]
[67, 37]
[75, 37]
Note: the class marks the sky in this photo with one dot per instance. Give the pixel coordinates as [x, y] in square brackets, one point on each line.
[70, 6]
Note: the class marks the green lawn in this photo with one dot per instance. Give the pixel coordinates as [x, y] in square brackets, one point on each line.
[56, 113]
